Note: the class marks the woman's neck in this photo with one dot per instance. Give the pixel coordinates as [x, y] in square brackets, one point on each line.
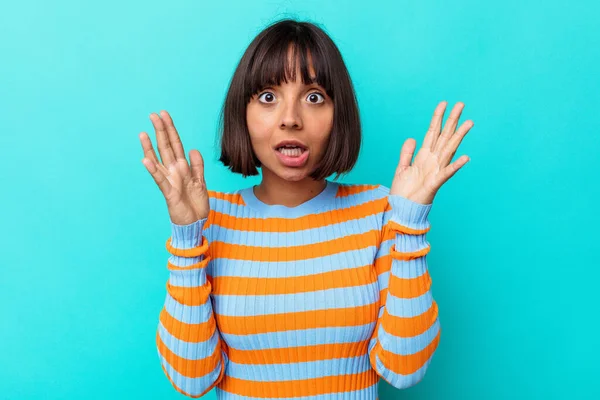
[274, 190]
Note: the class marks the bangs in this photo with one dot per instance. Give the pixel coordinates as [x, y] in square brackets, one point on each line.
[272, 64]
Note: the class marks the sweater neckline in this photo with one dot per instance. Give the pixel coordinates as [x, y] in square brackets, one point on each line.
[278, 210]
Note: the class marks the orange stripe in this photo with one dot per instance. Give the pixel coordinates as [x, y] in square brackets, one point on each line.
[276, 224]
[191, 333]
[299, 354]
[408, 288]
[300, 387]
[388, 234]
[221, 374]
[349, 277]
[408, 255]
[394, 226]
[190, 296]
[193, 252]
[409, 326]
[404, 365]
[201, 264]
[392, 229]
[189, 368]
[295, 253]
[233, 198]
[383, 264]
[253, 324]
[347, 190]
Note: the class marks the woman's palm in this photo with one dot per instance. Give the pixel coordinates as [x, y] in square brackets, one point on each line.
[418, 180]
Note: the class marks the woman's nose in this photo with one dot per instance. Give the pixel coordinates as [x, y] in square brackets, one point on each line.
[290, 115]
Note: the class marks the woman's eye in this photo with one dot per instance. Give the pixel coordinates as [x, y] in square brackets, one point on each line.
[315, 96]
[268, 96]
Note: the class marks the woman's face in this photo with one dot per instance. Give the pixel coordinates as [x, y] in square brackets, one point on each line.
[291, 111]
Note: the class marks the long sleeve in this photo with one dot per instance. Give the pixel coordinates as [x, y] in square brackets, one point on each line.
[408, 329]
[191, 350]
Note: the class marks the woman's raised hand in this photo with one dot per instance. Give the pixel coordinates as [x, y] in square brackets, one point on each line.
[183, 186]
[431, 168]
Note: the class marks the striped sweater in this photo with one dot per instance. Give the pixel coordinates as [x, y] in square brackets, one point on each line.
[316, 301]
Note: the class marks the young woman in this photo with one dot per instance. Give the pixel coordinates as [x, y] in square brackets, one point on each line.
[299, 286]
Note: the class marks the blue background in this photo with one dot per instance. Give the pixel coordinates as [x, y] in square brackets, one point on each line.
[83, 268]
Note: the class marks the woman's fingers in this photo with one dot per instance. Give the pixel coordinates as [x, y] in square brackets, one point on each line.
[449, 127]
[406, 154]
[434, 126]
[159, 175]
[197, 163]
[449, 171]
[174, 139]
[162, 138]
[147, 147]
[150, 154]
[450, 149]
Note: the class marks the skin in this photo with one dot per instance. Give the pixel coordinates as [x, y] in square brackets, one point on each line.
[291, 110]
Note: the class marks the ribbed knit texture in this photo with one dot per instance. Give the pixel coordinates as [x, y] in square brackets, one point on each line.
[315, 302]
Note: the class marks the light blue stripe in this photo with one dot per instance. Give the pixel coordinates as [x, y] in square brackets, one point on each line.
[383, 280]
[369, 393]
[190, 351]
[404, 270]
[404, 244]
[384, 248]
[188, 278]
[192, 386]
[409, 269]
[401, 381]
[407, 345]
[300, 337]
[410, 243]
[300, 370]
[382, 191]
[409, 213]
[243, 306]
[184, 261]
[220, 267]
[227, 208]
[405, 273]
[187, 236]
[188, 314]
[408, 307]
[296, 238]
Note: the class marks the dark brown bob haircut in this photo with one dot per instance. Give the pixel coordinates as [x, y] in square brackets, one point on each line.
[265, 63]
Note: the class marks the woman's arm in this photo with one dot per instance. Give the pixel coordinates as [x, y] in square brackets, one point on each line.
[191, 350]
[408, 329]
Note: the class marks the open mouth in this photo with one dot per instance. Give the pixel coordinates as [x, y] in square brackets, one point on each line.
[291, 151]
[292, 156]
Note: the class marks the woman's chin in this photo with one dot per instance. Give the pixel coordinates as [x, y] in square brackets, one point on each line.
[292, 174]
[293, 177]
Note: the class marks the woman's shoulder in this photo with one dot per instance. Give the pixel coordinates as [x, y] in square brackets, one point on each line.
[369, 190]
[231, 196]
[225, 199]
